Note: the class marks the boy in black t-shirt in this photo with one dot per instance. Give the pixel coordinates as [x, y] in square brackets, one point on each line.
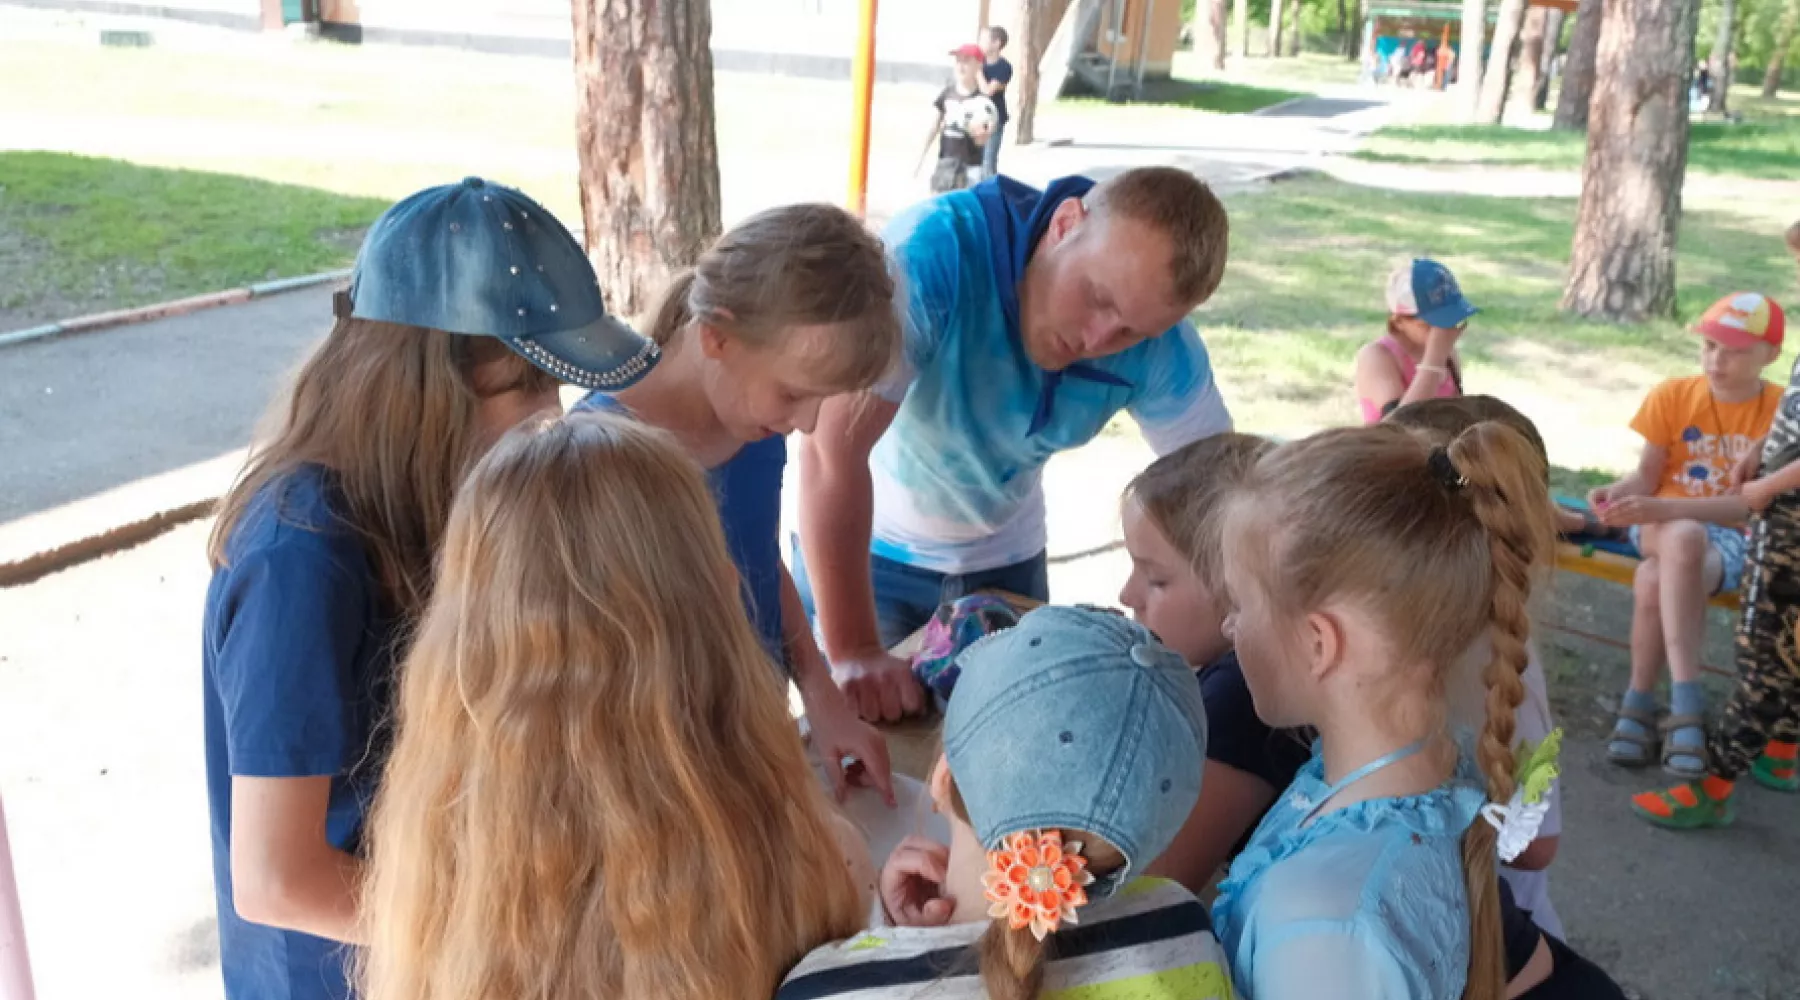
[996, 73]
[965, 119]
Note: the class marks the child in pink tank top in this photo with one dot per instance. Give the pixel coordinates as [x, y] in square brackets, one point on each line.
[1416, 359]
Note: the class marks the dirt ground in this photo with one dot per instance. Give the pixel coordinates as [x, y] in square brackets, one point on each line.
[100, 762]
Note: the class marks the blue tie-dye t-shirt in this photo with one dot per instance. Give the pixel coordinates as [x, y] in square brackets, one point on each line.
[957, 476]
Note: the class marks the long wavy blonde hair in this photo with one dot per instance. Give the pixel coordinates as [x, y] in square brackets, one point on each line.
[596, 790]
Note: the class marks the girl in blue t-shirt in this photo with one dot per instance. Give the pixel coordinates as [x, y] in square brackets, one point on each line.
[1370, 875]
[595, 790]
[468, 303]
[788, 308]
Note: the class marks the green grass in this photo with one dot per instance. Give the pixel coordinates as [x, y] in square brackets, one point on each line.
[1304, 290]
[95, 234]
[1766, 145]
[1218, 97]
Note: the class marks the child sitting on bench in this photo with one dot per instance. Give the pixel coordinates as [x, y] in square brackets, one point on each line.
[1696, 429]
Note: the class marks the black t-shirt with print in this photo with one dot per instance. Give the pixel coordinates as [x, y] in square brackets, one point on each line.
[954, 141]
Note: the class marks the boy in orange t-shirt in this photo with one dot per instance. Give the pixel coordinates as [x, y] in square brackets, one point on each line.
[1687, 522]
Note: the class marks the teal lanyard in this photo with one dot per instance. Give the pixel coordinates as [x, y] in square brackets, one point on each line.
[1360, 773]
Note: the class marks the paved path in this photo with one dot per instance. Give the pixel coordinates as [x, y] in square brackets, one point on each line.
[86, 413]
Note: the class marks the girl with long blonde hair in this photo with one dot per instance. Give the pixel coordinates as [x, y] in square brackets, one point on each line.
[468, 304]
[596, 790]
[1371, 875]
[788, 308]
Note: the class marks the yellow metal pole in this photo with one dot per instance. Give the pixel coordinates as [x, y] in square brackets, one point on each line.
[862, 85]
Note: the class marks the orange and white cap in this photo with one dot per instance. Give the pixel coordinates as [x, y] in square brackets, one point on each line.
[1743, 319]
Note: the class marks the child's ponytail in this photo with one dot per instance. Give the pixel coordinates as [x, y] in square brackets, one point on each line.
[672, 311]
[1012, 962]
[1503, 476]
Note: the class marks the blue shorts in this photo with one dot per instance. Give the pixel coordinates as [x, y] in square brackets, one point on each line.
[1727, 542]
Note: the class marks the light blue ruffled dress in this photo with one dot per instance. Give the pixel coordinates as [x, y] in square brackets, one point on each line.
[1367, 901]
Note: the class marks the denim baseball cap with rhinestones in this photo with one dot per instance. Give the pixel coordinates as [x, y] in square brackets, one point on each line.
[1080, 719]
[483, 259]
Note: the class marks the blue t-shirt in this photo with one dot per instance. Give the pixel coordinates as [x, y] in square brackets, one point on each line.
[1364, 901]
[298, 666]
[747, 489]
[957, 476]
[999, 71]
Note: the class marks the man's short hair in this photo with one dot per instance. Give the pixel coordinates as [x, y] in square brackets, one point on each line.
[1180, 205]
[999, 35]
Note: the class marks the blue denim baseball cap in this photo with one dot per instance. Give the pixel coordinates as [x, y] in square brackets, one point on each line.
[483, 259]
[1426, 289]
[1080, 719]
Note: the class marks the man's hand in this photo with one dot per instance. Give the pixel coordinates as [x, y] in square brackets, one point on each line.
[912, 884]
[880, 685]
[1634, 510]
[837, 735]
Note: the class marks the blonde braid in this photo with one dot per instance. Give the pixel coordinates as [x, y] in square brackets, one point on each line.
[1505, 476]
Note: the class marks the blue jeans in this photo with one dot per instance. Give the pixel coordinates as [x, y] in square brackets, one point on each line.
[907, 596]
[990, 160]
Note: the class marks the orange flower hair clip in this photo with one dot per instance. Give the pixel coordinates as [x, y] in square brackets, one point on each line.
[1035, 881]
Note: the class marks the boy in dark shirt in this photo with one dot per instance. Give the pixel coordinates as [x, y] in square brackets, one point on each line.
[996, 73]
[965, 120]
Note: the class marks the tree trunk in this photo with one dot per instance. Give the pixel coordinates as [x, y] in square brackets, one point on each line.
[1277, 8]
[1499, 67]
[1578, 69]
[644, 137]
[1531, 59]
[1469, 58]
[1353, 49]
[1784, 40]
[1553, 31]
[1721, 56]
[1024, 115]
[1240, 16]
[1221, 18]
[1343, 26]
[1293, 38]
[1623, 264]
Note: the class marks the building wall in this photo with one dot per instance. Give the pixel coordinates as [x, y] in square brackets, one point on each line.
[1164, 19]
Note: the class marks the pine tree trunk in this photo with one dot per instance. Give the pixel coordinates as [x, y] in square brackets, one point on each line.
[1531, 58]
[1720, 63]
[1499, 68]
[1277, 10]
[1578, 69]
[1623, 264]
[1469, 57]
[1240, 17]
[644, 136]
[1784, 39]
[1293, 36]
[1024, 116]
[1553, 31]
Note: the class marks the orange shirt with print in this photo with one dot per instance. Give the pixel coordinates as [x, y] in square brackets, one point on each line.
[1704, 436]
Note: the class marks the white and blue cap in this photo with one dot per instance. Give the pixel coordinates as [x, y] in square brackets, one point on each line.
[484, 260]
[1080, 719]
[1426, 289]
